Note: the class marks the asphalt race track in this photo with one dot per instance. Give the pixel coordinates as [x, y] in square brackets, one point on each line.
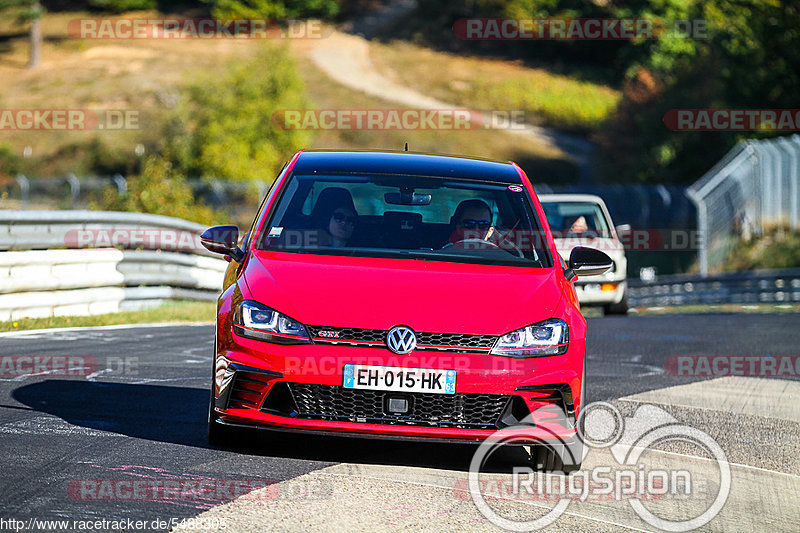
[139, 413]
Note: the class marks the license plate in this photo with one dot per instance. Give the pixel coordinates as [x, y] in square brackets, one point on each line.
[400, 379]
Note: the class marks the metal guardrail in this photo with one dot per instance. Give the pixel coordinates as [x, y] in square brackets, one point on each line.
[756, 185]
[45, 229]
[754, 287]
[52, 264]
[74, 191]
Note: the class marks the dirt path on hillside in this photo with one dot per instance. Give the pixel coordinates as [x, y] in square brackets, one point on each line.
[345, 58]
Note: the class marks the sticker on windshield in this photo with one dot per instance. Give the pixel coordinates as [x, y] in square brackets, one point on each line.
[275, 231]
[515, 188]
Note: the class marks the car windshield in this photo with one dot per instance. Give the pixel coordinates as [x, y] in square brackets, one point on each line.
[409, 217]
[582, 219]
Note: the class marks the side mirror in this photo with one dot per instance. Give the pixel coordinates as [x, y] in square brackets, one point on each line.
[585, 261]
[222, 240]
[623, 228]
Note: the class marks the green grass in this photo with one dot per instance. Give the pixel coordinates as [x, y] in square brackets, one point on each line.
[559, 101]
[174, 312]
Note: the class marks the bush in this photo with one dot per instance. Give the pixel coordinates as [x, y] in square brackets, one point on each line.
[274, 9]
[777, 248]
[161, 191]
[224, 128]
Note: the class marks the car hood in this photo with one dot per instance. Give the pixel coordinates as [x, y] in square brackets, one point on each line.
[378, 293]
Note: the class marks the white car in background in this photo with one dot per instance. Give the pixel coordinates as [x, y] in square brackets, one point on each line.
[583, 220]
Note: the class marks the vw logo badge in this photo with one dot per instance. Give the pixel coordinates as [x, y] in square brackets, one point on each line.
[401, 340]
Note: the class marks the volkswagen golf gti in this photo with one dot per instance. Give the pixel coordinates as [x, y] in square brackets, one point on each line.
[399, 295]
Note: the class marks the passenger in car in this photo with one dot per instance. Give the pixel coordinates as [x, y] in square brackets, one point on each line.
[335, 216]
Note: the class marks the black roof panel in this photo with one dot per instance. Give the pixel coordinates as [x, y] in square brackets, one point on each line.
[407, 163]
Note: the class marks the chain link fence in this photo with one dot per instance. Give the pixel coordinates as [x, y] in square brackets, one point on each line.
[755, 186]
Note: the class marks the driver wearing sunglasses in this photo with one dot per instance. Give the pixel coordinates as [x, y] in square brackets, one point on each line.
[471, 220]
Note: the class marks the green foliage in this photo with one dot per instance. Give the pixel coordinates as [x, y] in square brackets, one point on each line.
[10, 163]
[158, 190]
[778, 248]
[22, 10]
[224, 127]
[274, 9]
[749, 60]
[120, 6]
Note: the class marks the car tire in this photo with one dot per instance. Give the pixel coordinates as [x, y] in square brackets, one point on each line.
[620, 308]
[218, 434]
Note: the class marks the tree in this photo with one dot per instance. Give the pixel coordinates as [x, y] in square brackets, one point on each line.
[29, 12]
[224, 127]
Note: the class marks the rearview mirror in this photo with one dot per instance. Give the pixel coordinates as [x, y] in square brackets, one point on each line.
[585, 261]
[407, 198]
[223, 240]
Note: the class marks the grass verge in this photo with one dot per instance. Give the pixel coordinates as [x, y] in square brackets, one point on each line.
[559, 101]
[174, 312]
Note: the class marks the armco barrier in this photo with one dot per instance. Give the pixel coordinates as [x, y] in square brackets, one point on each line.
[46, 271]
[44, 230]
[758, 286]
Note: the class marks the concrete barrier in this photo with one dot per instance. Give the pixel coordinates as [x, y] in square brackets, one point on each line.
[48, 268]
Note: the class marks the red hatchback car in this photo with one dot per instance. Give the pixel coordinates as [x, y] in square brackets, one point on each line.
[398, 295]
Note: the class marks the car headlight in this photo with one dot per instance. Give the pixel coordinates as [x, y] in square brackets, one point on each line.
[257, 321]
[549, 337]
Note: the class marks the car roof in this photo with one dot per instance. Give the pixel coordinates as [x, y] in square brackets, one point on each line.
[571, 198]
[406, 163]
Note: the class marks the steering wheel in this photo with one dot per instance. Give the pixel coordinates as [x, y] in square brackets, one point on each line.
[516, 251]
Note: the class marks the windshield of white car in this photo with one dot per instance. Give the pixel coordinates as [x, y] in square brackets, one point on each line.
[576, 219]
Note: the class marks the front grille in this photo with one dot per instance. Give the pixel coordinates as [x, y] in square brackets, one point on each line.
[329, 402]
[425, 341]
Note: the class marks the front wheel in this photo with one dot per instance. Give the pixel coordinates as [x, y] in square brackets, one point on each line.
[219, 435]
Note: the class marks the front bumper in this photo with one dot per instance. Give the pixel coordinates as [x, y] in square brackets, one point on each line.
[257, 385]
[597, 292]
